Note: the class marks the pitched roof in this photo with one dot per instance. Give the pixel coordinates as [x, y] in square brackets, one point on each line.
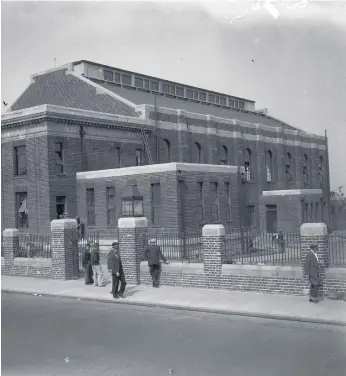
[141, 97]
[60, 88]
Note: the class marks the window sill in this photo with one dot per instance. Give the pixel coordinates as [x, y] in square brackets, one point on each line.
[61, 174]
[20, 176]
[156, 226]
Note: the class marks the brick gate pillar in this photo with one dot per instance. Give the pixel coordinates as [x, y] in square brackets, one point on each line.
[213, 254]
[11, 245]
[65, 256]
[315, 233]
[132, 240]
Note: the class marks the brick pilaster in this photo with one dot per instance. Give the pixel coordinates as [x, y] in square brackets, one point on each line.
[213, 253]
[315, 233]
[65, 256]
[11, 245]
[132, 240]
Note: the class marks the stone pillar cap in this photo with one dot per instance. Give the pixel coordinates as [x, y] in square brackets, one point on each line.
[132, 222]
[63, 223]
[10, 232]
[213, 230]
[313, 229]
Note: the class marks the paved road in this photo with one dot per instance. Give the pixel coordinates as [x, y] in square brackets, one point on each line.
[52, 336]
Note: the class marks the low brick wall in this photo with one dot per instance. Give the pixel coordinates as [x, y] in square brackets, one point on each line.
[28, 267]
[255, 278]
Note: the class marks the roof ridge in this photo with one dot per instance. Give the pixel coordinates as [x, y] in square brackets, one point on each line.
[103, 90]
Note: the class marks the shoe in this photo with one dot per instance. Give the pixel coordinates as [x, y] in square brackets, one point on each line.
[313, 301]
[121, 296]
[115, 296]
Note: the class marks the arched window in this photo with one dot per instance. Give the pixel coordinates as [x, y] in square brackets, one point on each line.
[305, 168]
[288, 167]
[248, 164]
[198, 152]
[224, 155]
[320, 168]
[166, 157]
[269, 166]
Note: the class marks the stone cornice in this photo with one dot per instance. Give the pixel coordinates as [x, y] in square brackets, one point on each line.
[39, 114]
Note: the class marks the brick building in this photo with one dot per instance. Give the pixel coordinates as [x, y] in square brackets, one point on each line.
[87, 117]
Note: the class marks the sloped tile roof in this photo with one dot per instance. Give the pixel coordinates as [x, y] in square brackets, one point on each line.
[140, 97]
[66, 90]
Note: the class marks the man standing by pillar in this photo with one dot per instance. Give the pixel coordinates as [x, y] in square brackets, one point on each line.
[115, 268]
[153, 255]
[311, 269]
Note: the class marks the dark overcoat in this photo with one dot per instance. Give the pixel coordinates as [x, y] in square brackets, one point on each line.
[311, 269]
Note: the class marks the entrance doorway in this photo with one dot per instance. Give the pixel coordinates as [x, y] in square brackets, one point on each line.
[272, 219]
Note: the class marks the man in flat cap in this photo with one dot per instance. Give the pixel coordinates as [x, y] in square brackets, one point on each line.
[153, 255]
[115, 268]
[311, 269]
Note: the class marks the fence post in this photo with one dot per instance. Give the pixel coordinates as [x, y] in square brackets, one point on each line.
[64, 242]
[213, 239]
[11, 245]
[315, 233]
[132, 240]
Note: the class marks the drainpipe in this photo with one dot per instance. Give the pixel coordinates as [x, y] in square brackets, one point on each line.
[82, 136]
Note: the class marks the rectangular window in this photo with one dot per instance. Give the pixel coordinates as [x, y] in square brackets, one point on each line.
[22, 220]
[138, 157]
[189, 93]
[146, 84]
[195, 94]
[241, 105]
[59, 157]
[214, 198]
[235, 104]
[156, 203]
[211, 98]
[172, 90]
[231, 102]
[126, 78]
[116, 156]
[180, 91]
[60, 206]
[228, 201]
[111, 206]
[217, 99]
[272, 219]
[250, 216]
[117, 77]
[165, 88]
[20, 162]
[203, 97]
[223, 101]
[154, 85]
[108, 75]
[200, 197]
[90, 198]
[139, 82]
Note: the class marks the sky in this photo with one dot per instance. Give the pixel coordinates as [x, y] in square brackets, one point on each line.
[288, 56]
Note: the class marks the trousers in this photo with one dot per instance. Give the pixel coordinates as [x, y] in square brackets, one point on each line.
[115, 283]
[155, 274]
[98, 275]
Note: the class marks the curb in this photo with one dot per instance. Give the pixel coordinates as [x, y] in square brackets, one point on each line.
[187, 308]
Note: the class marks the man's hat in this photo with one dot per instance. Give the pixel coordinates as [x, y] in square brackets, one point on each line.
[313, 246]
[153, 240]
[115, 243]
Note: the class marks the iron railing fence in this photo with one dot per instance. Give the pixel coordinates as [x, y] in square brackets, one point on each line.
[89, 238]
[180, 246]
[34, 245]
[245, 247]
[337, 248]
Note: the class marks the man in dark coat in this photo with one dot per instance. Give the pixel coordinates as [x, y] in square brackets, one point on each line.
[86, 262]
[115, 268]
[311, 269]
[153, 255]
[96, 265]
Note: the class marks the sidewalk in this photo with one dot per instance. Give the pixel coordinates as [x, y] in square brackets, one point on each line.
[272, 306]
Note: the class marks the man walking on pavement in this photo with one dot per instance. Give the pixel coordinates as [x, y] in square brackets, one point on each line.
[96, 265]
[115, 267]
[88, 272]
[153, 255]
[311, 269]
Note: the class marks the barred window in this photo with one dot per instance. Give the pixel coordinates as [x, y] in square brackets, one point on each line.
[111, 206]
[59, 157]
[20, 161]
[22, 219]
[156, 203]
[90, 202]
